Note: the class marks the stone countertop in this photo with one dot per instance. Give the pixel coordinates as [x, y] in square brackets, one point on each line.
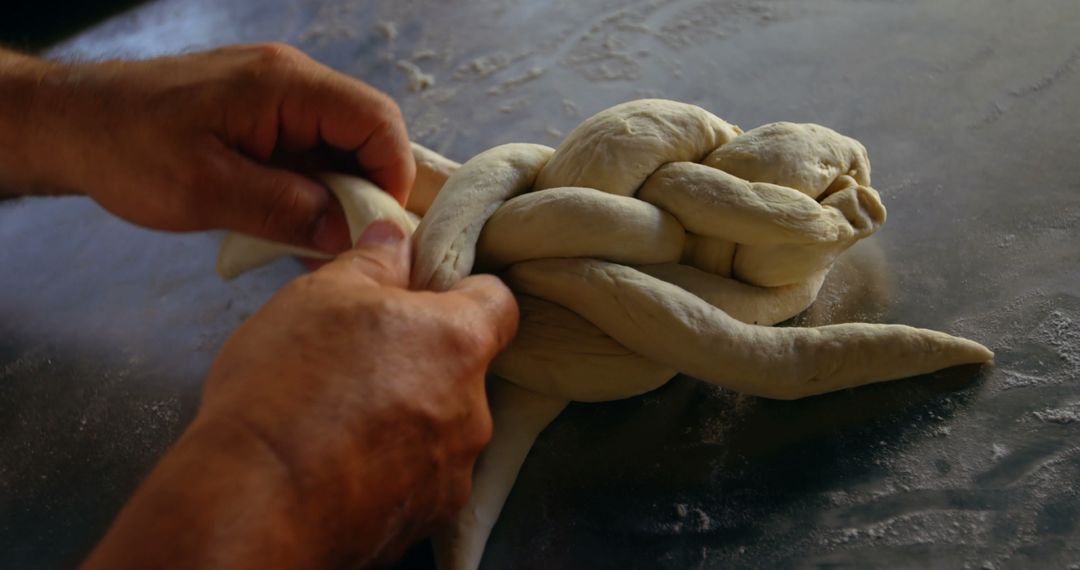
[971, 113]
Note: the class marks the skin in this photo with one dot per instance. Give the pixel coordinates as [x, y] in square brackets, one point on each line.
[327, 455]
[204, 140]
[340, 423]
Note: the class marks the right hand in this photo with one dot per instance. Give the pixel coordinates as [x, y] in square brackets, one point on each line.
[371, 395]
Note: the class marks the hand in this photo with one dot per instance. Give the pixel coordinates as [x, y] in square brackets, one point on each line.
[199, 141]
[353, 378]
[367, 397]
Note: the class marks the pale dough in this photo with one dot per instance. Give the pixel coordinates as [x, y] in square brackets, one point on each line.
[656, 239]
[445, 241]
[362, 202]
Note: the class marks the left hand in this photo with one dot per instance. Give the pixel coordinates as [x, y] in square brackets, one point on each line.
[197, 141]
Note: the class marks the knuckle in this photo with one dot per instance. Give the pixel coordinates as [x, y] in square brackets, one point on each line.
[382, 309]
[375, 99]
[273, 54]
[372, 316]
[498, 311]
[498, 291]
[267, 63]
[388, 117]
[391, 109]
[471, 343]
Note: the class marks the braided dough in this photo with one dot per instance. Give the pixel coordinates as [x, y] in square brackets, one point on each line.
[656, 239]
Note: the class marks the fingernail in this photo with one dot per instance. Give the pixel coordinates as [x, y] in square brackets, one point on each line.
[381, 232]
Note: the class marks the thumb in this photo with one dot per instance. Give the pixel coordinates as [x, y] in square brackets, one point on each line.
[382, 254]
[275, 204]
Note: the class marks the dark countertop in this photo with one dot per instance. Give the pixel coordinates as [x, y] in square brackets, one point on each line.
[971, 113]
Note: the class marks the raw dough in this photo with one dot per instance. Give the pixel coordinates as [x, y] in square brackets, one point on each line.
[363, 203]
[656, 239]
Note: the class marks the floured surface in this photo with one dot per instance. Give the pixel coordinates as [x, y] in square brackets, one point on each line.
[968, 111]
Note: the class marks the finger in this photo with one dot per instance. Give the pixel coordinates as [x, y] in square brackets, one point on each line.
[353, 116]
[273, 203]
[331, 231]
[494, 303]
[382, 254]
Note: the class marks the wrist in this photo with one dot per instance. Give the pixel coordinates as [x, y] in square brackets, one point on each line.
[33, 95]
[218, 475]
[339, 502]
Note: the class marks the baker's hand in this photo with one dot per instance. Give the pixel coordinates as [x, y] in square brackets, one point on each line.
[200, 141]
[365, 398]
[355, 379]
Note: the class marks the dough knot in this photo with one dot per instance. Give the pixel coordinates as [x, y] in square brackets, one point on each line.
[656, 239]
[646, 192]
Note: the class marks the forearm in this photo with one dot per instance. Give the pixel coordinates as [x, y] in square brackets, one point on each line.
[221, 498]
[28, 132]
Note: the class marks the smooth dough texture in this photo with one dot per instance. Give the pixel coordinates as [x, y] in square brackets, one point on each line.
[656, 239]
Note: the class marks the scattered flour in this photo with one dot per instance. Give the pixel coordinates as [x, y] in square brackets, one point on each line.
[427, 54]
[601, 53]
[332, 22]
[418, 80]
[486, 65]
[532, 73]
[690, 518]
[1067, 415]
[513, 105]
[388, 30]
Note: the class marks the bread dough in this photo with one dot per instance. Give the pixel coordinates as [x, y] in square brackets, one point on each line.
[362, 202]
[588, 223]
[518, 416]
[672, 326]
[445, 242]
[656, 239]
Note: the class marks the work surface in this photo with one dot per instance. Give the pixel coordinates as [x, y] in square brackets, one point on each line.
[971, 114]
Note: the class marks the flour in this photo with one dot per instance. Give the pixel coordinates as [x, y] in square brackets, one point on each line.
[486, 65]
[1063, 416]
[529, 75]
[602, 53]
[418, 80]
[388, 30]
[514, 105]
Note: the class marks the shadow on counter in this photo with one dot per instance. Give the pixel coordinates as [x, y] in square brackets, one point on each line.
[33, 26]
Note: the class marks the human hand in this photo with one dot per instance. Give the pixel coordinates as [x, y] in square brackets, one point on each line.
[369, 389]
[339, 424]
[210, 139]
